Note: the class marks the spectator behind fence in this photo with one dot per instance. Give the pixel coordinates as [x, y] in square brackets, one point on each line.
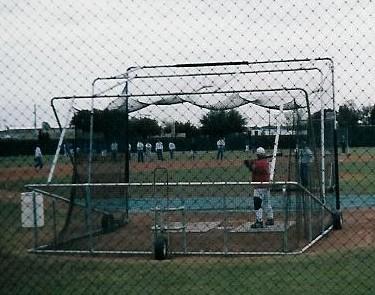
[114, 150]
[38, 158]
[172, 148]
[159, 150]
[148, 151]
[305, 158]
[220, 148]
[140, 151]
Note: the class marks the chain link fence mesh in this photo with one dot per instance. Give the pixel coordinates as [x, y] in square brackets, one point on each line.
[205, 147]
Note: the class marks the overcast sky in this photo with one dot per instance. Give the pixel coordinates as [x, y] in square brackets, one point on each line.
[56, 48]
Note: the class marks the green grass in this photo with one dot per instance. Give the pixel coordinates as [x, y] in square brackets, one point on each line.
[356, 176]
[340, 273]
[195, 174]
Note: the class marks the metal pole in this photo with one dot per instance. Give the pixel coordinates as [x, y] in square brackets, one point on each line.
[309, 217]
[88, 220]
[36, 132]
[61, 140]
[126, 142]
[269, 122]
[322, 147]
[225, 225]
[89, 175]
[335, 147]
[275, 146]
[35, 220]
[286, 219]
[184, 229]
[54, 222]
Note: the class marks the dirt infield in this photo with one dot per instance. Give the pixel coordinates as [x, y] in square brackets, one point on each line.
[30, 173]
[358, 232]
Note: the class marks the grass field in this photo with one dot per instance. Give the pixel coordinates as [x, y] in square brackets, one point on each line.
[356, 170]
[332, 272]
[325, 274]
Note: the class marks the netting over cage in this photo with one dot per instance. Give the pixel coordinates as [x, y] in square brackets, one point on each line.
[285, 107]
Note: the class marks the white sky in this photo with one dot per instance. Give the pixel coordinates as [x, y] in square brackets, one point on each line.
[56, 48]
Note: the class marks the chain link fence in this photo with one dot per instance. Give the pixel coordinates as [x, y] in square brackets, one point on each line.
[193, 147]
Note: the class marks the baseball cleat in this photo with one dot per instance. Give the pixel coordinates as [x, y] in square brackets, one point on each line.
[270, 222]
[257, 224]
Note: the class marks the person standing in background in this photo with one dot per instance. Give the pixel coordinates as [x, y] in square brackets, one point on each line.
[148, 151]
[305, 158]
[140, 151]
[159, 150]
[38, 158]
[172, 148]
[114, 149]
[220, 148]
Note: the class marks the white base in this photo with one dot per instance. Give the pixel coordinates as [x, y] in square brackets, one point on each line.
[193, 227]
[277, 227]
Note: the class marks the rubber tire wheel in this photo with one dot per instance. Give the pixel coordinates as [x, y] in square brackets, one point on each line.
[108, 222]
[337, 220]
[161, 248]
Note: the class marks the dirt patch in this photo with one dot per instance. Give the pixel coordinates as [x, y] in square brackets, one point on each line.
[358, 232]
[30, 173]
[9, 196]
[356, 158]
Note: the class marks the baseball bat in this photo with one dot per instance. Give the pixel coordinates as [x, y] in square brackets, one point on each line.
[278, 154]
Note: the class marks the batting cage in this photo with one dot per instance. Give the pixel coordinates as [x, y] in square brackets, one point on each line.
[207, 159]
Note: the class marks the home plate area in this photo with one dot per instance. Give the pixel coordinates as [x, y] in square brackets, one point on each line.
[193, 227]
[277, 227]
[202, 227]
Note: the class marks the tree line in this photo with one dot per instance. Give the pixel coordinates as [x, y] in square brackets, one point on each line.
[349, 115]
[112, 124]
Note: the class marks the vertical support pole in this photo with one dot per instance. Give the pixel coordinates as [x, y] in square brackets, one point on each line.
[286, 219]
[322, 148]
[155, 223]
[335, 147]
[89, 175]
[35, 221]
[126, 142]
[35, 129]
[91, 140]
[309, 217]
[88, 220]
[322, 218]
[275, 146]
[184, 229]
[54, 222]
[299, 214]
[312, 135]
[225, 225]
[323, 168]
